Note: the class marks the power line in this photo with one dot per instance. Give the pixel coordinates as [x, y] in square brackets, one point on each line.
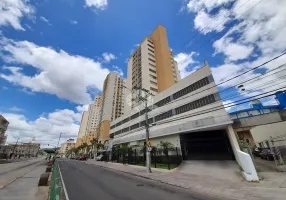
[224, 82]
[222, 107]
[179, 99]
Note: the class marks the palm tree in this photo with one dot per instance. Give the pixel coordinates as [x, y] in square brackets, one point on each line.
[84, 146]
[88, 149]
[93, 144]
[76, 150]
[166, 147]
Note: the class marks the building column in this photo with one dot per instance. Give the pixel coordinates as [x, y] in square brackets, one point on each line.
[243, 159]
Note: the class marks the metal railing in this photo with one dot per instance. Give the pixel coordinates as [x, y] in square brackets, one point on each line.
[57, 190]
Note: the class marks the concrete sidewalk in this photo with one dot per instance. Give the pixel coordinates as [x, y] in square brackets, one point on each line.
[269, 188]
[26, 186]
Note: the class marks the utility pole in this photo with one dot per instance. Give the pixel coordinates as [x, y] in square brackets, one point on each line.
[15, 145]
[59, 140]
[145, 100]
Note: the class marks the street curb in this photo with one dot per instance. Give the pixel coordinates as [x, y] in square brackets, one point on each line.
[3, 186]
[148, 178]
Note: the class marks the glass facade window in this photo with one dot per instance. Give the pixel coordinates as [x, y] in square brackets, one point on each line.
[254, 112]
[242, 114]
[266, 110]
[233, 116]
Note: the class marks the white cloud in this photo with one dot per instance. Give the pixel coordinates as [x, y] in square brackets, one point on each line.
[45, 20]
[206, 23]
[11, 12]
[45, 129]
[59, 73]
[73, 22]
[16, 109]
[4, 88]
[186, 63]
[209, 5]
[107, 57]
[118, 70]
[98, 4]
[82, 108]
[233, 51]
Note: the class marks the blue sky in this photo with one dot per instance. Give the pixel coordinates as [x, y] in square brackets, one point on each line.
[55, 54]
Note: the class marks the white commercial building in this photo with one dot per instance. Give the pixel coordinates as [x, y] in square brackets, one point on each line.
[190, 115]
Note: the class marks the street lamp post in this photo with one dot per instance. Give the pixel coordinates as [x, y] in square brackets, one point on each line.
[145, 100]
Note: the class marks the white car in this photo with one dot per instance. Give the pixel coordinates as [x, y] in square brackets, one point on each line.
[99, 158]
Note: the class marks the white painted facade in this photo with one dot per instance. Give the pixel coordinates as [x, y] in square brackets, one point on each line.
[211, 116]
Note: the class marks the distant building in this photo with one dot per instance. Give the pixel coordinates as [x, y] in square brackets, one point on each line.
[3, 127]
[260, 122]
[69, 144]
[113, 103]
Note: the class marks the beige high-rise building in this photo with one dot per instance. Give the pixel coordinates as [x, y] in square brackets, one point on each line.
[93, 114]
[152, 65]
[67, 145]
[90, 122]
[113, 102]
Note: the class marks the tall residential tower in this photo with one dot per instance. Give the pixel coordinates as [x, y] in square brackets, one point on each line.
[113, 102]
[152, 65]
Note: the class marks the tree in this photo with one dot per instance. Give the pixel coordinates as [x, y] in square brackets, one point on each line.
[76, 150]
[166, 147]
[84, 146]
[93, 144]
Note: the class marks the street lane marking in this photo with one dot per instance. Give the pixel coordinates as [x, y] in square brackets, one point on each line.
[64, 186]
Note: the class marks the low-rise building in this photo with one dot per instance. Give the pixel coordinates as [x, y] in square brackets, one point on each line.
[3, 127]
[259, 123]
[29, 149]
[5, 151]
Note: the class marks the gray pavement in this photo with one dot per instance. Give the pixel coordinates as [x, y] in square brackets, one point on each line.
[11, 171]
[88, 182]
[271, 187]
[25, 186]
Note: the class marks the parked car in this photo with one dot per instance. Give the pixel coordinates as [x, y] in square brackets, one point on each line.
[257, 151]
[99, 158]
[268, 154]
[82, 158]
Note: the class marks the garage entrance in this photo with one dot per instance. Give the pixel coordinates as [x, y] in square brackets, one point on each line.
[206, 145]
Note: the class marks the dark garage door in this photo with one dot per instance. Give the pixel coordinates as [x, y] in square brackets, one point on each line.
[208, 145]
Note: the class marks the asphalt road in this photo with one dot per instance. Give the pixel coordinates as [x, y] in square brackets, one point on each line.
[88, 182]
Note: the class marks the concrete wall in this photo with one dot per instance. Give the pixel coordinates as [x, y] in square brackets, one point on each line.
[257, 120]
[263, 132]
